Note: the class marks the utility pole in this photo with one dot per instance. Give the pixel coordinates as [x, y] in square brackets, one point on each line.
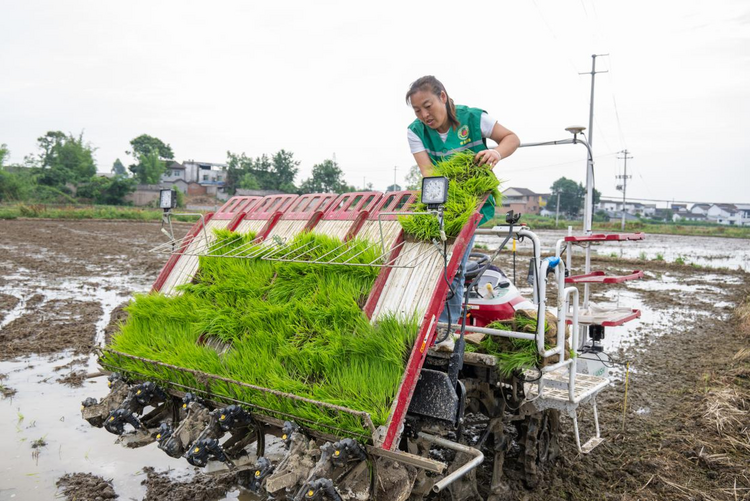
[588, 210]
[395, 168]
[624, 178]
[557, 214]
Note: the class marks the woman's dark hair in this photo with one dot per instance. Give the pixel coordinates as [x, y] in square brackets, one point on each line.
[434, 85]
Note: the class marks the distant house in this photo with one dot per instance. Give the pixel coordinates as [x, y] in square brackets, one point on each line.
[633, 208]
[684, 215]
[523, 200]
[743, 216]
[722, 214]
[617, 216]
[700, 208]
[729, 214]
[209, 178]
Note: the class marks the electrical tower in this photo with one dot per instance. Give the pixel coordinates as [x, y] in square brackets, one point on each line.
[624, 186]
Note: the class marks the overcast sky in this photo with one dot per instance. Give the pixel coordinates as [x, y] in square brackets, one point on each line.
[319, 78]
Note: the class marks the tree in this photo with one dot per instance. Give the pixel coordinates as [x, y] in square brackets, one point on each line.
[15, 186]
[248, 182]
[65, 159]
[142, 147]
[572, 196]
[276, 173]
[149, 168]
[414, 178]
[4, 154]
[237, 166]
[143, 144]
[326, 177]
[118, 169]
[102, 190]
[285, 169]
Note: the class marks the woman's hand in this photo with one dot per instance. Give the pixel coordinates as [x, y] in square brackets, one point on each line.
[487, 157]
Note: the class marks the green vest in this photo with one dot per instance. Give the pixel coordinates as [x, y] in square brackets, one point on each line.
[468, 136]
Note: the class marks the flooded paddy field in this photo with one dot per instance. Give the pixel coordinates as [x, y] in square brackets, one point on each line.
[712, 252]
[60, 282]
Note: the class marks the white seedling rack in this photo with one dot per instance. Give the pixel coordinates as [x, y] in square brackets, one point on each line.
[559, 385]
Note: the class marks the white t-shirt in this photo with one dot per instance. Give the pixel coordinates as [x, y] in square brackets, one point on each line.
[486, 124]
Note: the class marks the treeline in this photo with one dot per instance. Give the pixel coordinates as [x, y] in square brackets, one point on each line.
[64, 171]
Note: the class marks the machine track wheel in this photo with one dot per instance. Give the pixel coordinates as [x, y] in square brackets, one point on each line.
[540, 445]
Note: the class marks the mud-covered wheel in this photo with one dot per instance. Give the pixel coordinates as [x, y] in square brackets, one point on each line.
[540, 445]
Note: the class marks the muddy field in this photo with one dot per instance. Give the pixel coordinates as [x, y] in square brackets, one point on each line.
[683, 434]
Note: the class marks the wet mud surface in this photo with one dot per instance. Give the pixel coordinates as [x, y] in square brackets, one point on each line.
[51, 327]
[85, 487]
[681, 435]
[162, 487]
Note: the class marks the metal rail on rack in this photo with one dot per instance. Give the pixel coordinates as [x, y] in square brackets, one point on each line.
[277, 249]
[173, 245]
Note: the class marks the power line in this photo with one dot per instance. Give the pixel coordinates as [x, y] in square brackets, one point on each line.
[611, 77]
[557, 164]
[552, 32]
[668, 200]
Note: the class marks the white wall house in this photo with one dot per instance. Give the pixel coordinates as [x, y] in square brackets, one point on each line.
[742, 217]
[723, 214]
[633, 208]
[700, 208]
[210, 176]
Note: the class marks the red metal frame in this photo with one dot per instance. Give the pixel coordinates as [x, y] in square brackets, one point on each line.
[348, 205]
[635, 313]
[306, 205]
[614, 237]
[235, 210]
[310, 208]
[234, 206]
[270, 209]
[599, 277]
[172, 261]
[271, 205]
[425, 338]
[393, 201]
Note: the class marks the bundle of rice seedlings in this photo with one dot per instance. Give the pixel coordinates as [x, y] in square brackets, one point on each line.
[469, 183]
[513, 355]
[291, 327]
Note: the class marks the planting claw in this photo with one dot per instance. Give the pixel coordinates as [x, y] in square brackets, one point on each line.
[117, 419]
[204, 450]
[287, 431]
[319, 489]
[346, 450]
[252, 480]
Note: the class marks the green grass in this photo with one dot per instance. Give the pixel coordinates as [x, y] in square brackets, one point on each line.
[47, 211]
[468, 184]
[292, 327]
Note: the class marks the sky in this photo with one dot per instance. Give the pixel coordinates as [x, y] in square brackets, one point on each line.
[326, 77]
